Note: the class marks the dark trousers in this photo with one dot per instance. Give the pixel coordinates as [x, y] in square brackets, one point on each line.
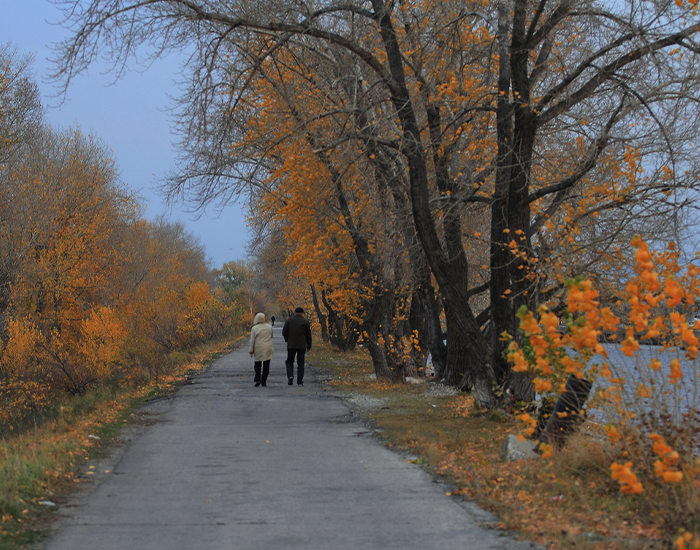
[299, 354]
[265, 370]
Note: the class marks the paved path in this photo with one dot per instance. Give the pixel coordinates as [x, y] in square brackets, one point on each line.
[229, 466]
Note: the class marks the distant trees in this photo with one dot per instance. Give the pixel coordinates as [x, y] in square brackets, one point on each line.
[522, 142]
[240, 281]
[89, 291]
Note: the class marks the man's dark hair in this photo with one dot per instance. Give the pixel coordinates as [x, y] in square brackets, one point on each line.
[299, 310]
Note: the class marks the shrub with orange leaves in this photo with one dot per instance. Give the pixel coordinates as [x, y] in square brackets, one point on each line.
[687, 541]
[103, 335]
[623, 474]
[205, 316]
[24, 388]
[646, 387]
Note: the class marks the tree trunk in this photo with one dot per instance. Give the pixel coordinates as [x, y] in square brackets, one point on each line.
[319, 313]
[568, 412]
[336, 332]
[518, 387]
[386, 359]
[502, 314]
[467, 353]
[352, 334]
[466, 344]
[511, 285]
[425, 318]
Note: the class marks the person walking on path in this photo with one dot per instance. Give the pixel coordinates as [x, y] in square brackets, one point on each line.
[273, 320]
[261, 348]
[297, 333]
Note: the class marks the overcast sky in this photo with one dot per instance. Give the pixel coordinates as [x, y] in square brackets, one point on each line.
[129, 117]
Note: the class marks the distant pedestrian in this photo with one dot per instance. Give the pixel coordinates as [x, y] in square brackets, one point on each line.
[297, 333]
[261, 348]
[273, 320]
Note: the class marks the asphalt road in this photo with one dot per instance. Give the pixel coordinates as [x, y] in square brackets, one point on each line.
[226, 465]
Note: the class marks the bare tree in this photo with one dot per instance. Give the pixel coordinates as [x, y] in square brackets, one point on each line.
[21, 112]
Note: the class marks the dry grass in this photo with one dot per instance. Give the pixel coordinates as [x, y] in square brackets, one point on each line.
[568, 501]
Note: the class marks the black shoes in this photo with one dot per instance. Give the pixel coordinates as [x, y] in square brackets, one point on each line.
[300, 383]
[257, 384]
[264, 384]
[290, 381]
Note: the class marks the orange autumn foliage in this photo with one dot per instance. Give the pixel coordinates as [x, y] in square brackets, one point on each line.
[648, 409]
[338, 236]
[91, 293]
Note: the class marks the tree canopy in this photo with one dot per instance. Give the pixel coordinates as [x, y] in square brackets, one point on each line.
[430, 163]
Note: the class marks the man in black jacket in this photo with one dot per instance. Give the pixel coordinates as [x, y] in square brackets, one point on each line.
[297, 334]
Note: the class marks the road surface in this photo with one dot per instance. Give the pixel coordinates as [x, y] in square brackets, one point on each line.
[228, 466]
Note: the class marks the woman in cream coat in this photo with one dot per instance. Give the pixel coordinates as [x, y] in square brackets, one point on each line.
[261, 348]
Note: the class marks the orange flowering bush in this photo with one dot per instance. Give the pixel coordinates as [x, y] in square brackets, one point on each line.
[641, 354]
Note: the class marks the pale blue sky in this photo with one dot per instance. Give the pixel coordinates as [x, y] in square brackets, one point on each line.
[129, 116]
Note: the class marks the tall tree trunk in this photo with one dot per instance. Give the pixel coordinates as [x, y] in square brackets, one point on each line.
[567, 414]
[425, 310]
[352, 334]
[511, 286]
[386, 359]
[468, 360]
[502, 314]
[320, 315]
[425, 318]
[336, 326]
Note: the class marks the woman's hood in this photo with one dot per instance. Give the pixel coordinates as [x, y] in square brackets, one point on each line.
[259, 318]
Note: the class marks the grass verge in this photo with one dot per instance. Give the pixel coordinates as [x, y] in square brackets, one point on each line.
[42, 466]
[567, 501]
